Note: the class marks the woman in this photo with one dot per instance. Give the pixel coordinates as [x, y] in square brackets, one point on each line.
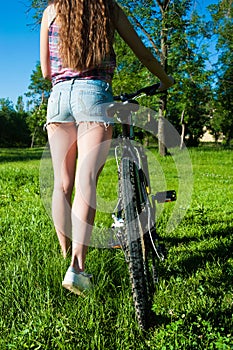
[76, 49]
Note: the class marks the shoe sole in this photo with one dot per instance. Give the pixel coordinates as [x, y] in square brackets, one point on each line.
[72, 288]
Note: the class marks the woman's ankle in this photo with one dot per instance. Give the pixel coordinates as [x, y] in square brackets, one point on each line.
[66, 247]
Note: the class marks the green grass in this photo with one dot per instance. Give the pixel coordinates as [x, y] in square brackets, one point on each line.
[194, 299]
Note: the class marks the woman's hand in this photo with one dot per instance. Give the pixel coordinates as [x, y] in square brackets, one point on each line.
[164, 85]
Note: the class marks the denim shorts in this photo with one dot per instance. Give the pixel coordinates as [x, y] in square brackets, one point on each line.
[79, 100]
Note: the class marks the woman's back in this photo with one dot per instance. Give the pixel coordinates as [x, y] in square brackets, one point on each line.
[103, 69]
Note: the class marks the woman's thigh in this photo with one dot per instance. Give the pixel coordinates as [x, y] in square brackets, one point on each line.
[94, 140]
[63, 146]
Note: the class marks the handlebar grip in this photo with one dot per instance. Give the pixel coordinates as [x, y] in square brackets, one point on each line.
[150, 90]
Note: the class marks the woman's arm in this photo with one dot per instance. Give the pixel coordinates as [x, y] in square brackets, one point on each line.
[129, 35]
[44, 47]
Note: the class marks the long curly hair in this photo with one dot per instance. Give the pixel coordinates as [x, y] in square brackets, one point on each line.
[86, 31]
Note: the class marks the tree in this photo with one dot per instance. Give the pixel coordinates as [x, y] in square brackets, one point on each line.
[20, 105]
[13, 128]
[6, 105]
[38, 6]
[39, 90]
[36, 121]
[181, 52]
[222, 15]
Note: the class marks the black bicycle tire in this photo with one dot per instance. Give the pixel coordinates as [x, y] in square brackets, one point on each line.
[136, 263]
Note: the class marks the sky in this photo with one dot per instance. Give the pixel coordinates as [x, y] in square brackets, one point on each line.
[19, 46]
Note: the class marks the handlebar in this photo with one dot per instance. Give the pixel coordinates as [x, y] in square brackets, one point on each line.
[128, 103]
[148, 90]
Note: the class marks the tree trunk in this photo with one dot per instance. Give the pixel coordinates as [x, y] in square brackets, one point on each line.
[163, 100]
[33, 137]
[183, 130]
[161, 127]
[162, 146]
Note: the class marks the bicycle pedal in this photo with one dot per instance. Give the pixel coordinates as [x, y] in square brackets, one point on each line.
[166, 196]
[115, 246]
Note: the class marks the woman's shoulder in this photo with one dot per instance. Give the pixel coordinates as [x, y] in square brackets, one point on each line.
[50, 13]
[50, 9]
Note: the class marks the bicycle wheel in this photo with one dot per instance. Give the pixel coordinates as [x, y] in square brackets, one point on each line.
[136, 257]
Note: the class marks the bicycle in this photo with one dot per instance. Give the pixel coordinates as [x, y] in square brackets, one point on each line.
[135, 214]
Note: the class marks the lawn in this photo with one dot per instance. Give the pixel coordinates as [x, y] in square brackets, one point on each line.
[193, 302]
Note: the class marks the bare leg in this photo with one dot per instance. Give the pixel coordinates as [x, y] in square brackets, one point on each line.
[93, 146]
[63, 146]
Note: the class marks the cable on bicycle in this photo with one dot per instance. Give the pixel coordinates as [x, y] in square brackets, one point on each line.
[160, 257]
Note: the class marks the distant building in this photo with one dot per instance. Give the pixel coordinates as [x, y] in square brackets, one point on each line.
[208, 137]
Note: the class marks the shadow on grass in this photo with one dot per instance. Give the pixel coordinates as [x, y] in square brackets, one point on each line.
[221, 252]
[216, 286]
[209, 320]
[20, 154]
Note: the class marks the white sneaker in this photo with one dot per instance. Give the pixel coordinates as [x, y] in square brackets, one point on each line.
[77, 282]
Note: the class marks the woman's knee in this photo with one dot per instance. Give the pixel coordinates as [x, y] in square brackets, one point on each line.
[66, 187]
